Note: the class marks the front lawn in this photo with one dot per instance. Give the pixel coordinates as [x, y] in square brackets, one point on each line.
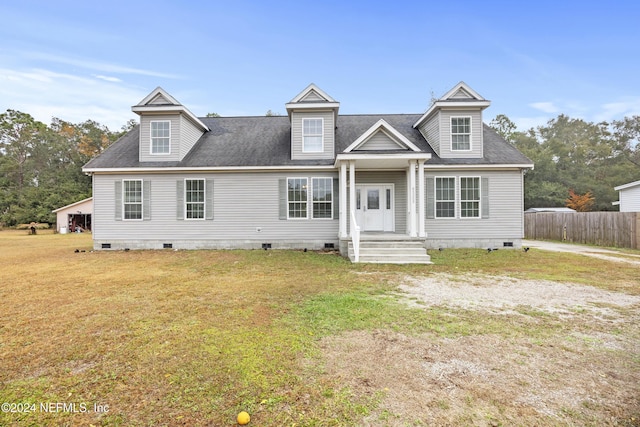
[148, 338]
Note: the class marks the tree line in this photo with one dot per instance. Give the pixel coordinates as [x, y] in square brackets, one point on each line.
[577, 163]
[41, 165]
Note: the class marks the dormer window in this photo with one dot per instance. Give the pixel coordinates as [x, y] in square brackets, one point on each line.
[160, 137]
[460, 133]
[312, 135]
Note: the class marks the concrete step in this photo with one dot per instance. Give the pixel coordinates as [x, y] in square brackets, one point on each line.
[391, 244]
[391, 252]
[401, 259]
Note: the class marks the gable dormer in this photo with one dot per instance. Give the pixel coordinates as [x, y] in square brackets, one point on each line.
[168, 130]
[381, 137]
[453, 123]
[313, 114]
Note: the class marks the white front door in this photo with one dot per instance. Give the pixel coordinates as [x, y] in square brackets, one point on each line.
[374, 207]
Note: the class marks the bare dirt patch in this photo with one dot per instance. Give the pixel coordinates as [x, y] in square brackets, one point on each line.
[585, 373]
[501, 294]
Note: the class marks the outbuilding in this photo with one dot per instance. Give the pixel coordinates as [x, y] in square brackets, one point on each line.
[629, 197]
[74, 217]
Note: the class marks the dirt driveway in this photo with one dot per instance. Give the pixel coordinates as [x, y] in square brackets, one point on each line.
[593, 251]
[548, 354]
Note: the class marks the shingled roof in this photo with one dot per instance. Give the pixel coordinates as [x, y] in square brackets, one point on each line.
[265, 141]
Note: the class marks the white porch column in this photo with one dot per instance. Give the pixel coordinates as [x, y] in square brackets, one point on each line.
[344, 210]
[421, 208]
[352, 193]
[412, 199]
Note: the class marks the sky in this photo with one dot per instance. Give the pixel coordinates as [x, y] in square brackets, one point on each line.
[81, 60]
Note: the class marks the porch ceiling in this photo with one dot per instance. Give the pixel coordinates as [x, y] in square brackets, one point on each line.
[377, 160]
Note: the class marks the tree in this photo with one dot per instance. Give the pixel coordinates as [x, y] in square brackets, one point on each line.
[41, 166]
[213, 115]
[575, 154]
[627, 136]
[270, 113]
[580, 202]
[505, 127]
[19, 135]
[127, 127]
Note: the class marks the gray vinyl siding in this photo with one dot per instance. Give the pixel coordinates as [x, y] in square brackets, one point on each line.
[189, 135]
[399, 181]
[505, 213]
[630, 199]
[245, 209]
[145, 138]
[430, 130]
[445, 151]
[328, 135]
[184, 135]
[379, 141]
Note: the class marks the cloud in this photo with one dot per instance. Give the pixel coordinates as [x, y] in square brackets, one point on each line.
[604, 112]
[107, 78]
[46, 94]
[616, 110]
[91, 64]
[545, 107]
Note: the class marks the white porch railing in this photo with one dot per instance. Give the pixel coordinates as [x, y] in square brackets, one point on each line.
[355, 237]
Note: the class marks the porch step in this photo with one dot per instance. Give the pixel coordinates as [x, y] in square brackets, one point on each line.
[391, 252]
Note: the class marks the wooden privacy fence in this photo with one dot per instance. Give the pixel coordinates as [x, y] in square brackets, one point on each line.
[617, 229]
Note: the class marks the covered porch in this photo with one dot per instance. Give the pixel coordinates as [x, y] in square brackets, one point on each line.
[382, 206]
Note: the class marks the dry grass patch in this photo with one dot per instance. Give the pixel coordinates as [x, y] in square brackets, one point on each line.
[162, 337]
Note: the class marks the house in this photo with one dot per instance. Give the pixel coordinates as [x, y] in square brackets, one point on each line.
[378, 187]
[78, 214]
[629, 200]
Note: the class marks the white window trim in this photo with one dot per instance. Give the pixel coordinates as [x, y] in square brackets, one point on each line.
[470, 134]
[151, 137]
[310, 196]
[304, 150]
[435, 197]
[124, 211]
[300, 201]
[204, 189]
[479, 198]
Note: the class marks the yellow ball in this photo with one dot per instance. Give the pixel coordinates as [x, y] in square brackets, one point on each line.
[243, 418]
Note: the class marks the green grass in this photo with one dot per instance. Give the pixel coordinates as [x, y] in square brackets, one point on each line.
[193, 337]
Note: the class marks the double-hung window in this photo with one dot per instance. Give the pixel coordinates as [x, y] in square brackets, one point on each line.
[445, 199]
[132, 198]
[297, 197]
[160, 137]
[309, 198]
[322, 197]
[461, 133]
[470, 197]
[312, 135]
[194, 198]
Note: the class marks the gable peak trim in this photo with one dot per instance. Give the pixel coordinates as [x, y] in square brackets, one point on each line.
[461, 86]
[156, 93]
[308, 90]
[387, 129]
